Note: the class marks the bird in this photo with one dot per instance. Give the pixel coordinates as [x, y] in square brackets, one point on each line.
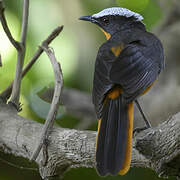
[127, 65]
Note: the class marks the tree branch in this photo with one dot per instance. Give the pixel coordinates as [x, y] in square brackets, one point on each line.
[55, 102]
[20, 59]
[156, 148]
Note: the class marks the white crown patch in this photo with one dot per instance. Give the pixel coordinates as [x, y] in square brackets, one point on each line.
[119, 12]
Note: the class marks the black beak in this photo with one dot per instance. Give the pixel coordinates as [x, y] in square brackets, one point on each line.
[88, 18]
[85, 18]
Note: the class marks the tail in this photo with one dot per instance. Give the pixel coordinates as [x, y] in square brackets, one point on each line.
[114, 141]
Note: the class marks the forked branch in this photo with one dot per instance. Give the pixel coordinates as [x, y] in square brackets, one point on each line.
[7, 92]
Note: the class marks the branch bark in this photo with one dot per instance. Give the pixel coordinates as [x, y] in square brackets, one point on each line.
[156, 148]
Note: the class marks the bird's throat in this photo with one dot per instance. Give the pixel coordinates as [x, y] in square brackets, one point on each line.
[108, 36]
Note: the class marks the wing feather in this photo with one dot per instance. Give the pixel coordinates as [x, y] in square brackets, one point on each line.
[134, 71]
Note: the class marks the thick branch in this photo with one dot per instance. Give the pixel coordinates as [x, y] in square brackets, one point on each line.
[156, 148]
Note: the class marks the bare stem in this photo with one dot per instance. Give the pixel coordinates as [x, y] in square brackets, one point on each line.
[55, 102]
[21, 54]
[24, 22]
[6, 28]
[7, 92]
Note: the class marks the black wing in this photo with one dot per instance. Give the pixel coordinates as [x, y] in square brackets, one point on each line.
[136, 68]
[101, 83]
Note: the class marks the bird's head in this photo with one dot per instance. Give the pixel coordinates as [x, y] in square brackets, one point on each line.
[112, 20]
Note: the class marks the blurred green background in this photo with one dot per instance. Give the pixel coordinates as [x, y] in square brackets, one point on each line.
[76, 50]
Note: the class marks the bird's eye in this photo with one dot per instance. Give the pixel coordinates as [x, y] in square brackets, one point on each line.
[105, 20]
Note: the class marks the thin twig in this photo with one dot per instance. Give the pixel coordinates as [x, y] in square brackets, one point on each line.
[24, 22]
[46, 42]
[7, 92]
[55, 102]
[6, 28]
[21, 54]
